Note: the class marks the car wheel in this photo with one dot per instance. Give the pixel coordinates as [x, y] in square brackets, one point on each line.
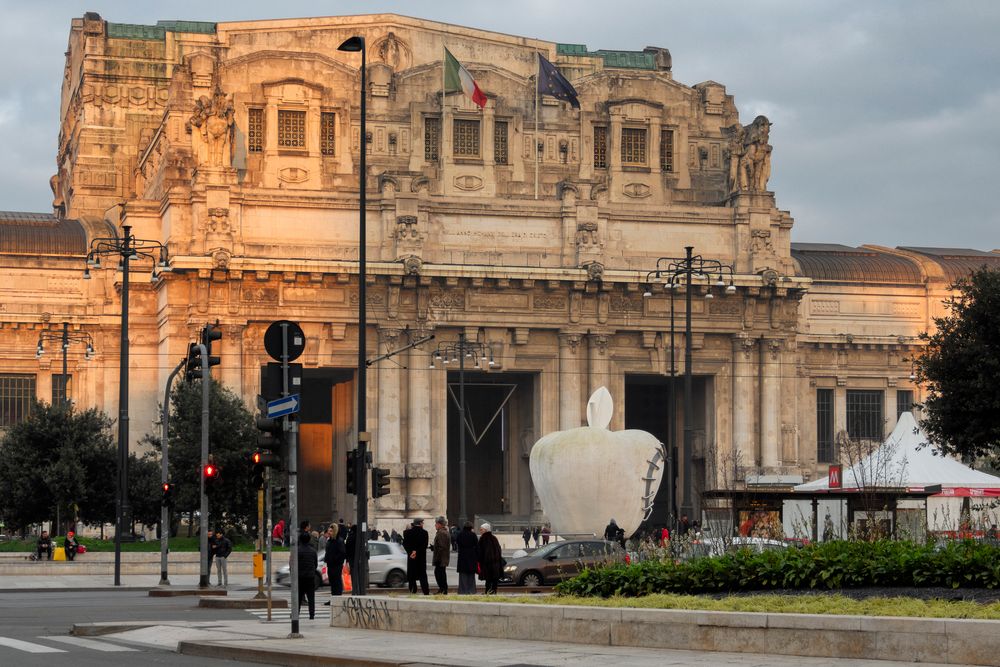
[531, 578]
[395, 579]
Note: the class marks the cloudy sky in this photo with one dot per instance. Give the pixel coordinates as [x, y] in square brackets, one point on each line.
[886, 112]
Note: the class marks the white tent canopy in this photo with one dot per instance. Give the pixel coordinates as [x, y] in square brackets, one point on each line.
[907, 459]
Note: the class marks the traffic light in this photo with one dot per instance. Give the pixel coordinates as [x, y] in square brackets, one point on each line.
[192, 367]
[380, 482]
[271, 438]
[279, 498]
[209, 333]
[168, 495]
[256, 471]
[211, 474]
[352, 471]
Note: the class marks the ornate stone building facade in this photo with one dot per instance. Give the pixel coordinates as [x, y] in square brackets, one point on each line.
[237, 145]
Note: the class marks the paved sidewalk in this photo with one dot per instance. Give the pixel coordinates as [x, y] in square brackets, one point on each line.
[255, 641]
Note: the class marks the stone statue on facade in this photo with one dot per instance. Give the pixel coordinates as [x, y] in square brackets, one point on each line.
[749, 156]
[213, 119]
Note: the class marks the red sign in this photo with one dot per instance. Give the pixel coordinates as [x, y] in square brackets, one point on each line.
[835, 477]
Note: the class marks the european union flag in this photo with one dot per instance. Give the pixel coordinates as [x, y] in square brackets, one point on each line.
[551, 82]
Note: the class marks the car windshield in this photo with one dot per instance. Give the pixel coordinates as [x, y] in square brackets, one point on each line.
[546, 550]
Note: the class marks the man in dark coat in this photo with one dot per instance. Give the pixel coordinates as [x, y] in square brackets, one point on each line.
[336, 552]
[415, 540]
[442, 554]
[490, 558]
[467, 543]
[307, 561]
[611, 531]
[351, 543]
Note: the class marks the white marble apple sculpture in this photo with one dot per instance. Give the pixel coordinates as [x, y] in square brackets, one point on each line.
[588, 475]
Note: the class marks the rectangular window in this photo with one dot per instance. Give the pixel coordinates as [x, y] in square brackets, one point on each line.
[432, 138]
[327, 133]
[500, 141]
[291, 129]
[255, 130]
[865, 420]
[904, 401]
[466, 138]
[600, 147]
[17, 396]
[633, 145]
[824, 426]
[667, 150]
[60, 388]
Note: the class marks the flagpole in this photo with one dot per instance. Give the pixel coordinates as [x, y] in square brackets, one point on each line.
[537, 133]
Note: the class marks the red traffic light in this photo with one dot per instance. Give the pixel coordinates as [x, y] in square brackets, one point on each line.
[256, 457]
[167, 487]
[211, 471]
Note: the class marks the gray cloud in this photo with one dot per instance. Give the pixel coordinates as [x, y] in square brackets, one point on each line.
[883, 110]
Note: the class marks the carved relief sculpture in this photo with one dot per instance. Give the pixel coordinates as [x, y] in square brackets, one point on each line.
[586, 234]
[213, 119]
[749, 156]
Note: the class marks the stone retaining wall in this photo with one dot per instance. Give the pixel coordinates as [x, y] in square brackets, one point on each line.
[953, 641]
[103, 562]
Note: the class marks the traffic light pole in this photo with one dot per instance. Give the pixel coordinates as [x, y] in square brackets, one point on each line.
[267, 537]
[206, 382]
[165, 473]
[292, 427]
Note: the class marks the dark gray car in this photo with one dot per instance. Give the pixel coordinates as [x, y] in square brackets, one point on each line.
[560, 561]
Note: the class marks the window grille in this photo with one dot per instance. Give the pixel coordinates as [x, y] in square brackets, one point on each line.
[17, 396]
[255, 130]
[60, 388]
[432, 138]
[600, 147]
[904, 401]
[327, 133]
[466, 138]
[500, 142]
[824, 426]
[291, 129]
[633, 145]
[865, 414]
[667, 150]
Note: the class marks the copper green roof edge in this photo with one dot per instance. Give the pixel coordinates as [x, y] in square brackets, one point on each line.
[618, 59]
[201, 27]
[136, 31]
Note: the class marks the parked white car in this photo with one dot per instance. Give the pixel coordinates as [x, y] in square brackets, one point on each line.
[386, 567]
[717, 546]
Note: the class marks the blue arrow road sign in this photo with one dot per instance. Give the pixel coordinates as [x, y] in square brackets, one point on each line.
[283, 406]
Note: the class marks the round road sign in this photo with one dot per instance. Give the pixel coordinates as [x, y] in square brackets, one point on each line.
[273, 339]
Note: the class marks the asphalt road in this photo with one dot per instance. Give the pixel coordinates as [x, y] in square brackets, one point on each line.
[35, 627]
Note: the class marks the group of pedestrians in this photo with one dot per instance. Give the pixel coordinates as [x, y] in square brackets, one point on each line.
[537, 533]
[44, 546]
[477, 556]
[219, 548]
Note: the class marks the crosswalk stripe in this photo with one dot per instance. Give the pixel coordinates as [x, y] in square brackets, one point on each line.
[88, 643]
[28, 647]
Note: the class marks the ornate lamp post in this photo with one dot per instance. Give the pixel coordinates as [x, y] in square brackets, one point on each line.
[481, 356]
[128, 248]
[356, 44]
[65, 338]
[676, 273]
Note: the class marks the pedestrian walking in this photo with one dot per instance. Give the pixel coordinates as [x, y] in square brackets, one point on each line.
[453, 533]
[546, 533]
[351, 543]
[611, 531]
[220, 552]
[467, 558]
[490, 558]
[526, 536]
[334, 556]
[415, 540]
[536, 534]
[278, 534]
[307, 561]
[442, 554]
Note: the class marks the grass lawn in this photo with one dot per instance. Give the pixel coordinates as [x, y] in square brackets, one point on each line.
[153, 546]
[775, 604]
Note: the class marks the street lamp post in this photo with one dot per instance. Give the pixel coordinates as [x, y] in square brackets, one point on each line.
[676, 272]
[457, 352]
[65, 338]
[127, 248]
[356, 44]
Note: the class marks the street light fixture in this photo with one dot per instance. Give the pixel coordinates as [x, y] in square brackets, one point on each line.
[458, 352]
[678, 272]
[126, 248]
[65, 338]
[356, 44]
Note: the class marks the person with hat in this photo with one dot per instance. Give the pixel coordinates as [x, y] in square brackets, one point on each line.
[70, 545]
[415, 541]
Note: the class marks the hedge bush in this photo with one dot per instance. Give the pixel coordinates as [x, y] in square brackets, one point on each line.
[831, 565]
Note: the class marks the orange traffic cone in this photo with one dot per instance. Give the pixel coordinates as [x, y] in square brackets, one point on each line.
[345, 576]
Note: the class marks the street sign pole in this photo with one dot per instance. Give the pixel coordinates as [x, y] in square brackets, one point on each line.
[206, 384]
[267, 536]
[291, 426]
[261, 536]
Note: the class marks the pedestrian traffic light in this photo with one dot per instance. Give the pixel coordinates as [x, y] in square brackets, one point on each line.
[209, 333]
[211, 474]
[271, 438]
[352, 471]
[192, 366]
[168, 495]
[256, 471]
[380, 482]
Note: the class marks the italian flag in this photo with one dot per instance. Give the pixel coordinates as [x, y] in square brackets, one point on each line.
[457, 78]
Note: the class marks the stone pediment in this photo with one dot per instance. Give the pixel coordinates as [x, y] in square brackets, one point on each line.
[285, 56]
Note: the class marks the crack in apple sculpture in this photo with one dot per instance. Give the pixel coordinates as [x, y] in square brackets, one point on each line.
[588, 475]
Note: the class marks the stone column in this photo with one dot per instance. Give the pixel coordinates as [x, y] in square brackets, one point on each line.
[770, 450]
[598, 350]
[743, 401]
[421, 384]
[570, 375]
[232, 360]
[387, 438]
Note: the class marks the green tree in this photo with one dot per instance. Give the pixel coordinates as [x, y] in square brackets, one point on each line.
[58, 464]
[232, 437]
[960, 368]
